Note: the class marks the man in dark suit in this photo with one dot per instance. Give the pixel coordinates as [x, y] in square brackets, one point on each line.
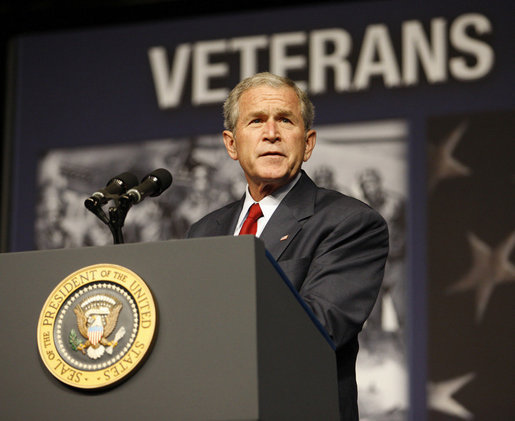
[332, 247]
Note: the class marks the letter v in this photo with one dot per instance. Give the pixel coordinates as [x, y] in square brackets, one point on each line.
[169, 84]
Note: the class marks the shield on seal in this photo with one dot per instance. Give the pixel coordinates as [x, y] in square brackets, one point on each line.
[95, 332]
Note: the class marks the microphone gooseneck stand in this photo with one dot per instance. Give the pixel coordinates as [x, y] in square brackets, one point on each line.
[117, 214]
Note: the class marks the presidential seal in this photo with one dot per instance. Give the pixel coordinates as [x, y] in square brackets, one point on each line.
[96, 326]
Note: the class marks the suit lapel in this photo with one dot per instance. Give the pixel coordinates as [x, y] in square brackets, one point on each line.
[226, 221]
[286, 221]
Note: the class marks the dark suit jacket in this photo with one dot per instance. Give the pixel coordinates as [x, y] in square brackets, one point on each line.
[334, 254]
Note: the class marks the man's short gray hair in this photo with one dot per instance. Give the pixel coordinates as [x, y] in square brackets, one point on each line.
[231, 104]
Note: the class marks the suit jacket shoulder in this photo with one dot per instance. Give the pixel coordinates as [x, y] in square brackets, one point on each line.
[311, 213]
[219, 222]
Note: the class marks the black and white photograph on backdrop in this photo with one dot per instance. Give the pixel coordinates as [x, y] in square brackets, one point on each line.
[366, 160]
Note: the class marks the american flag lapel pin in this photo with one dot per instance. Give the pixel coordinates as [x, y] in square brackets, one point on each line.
[284, 237]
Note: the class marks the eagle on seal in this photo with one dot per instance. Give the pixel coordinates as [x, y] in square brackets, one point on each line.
[97, 322]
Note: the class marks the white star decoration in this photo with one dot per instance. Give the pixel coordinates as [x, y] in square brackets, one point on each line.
[442, 163]
[490, 267]
[439, 396]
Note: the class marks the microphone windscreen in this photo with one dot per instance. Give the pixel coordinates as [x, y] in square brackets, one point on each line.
[164, 179]
[128, 180]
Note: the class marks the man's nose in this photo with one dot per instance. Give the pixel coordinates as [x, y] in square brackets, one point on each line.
[271, 131]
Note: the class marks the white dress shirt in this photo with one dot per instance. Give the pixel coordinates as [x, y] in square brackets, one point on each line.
[268, 206]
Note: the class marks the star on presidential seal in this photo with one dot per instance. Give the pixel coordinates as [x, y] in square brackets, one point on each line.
[96, 326]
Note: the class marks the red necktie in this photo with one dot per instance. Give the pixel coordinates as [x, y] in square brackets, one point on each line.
[250, 224]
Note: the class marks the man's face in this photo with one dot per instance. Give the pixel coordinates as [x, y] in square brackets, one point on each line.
[371, 186]
[269, 140]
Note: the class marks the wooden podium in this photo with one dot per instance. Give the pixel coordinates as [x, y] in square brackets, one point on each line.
[233, 340]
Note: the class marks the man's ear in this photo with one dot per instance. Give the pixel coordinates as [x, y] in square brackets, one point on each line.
[311, 140]
[230, 144]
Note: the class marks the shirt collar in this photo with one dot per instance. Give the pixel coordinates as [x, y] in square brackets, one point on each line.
[269, 203]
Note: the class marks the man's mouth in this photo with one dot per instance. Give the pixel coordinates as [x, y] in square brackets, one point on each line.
[272, 154]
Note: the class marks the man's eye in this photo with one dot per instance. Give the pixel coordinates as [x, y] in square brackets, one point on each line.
[285, 120]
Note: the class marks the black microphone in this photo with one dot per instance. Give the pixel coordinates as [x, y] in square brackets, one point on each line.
[152, 185]
[116, 186]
